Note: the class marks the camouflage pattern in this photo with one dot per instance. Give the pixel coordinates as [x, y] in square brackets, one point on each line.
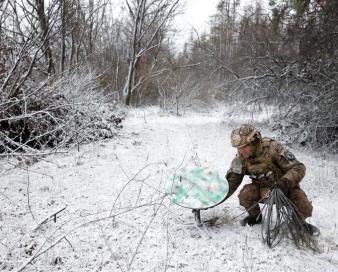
[244, 135]
[269, 163]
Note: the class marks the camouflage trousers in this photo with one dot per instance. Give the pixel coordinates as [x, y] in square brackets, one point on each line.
[252, 193]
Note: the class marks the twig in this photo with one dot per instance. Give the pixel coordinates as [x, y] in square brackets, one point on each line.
[195, 154]
[34, 154]
[181, 163]
[69, 244]
[28, 195]
[138, 195]
[39, 251]
[33, 171]
[112, 254]
[167, 246]
[52, 215]
[1, 193]
[130, 180]
[256, 99]
[144, 233]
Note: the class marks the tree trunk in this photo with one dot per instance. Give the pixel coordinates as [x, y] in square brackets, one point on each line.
[40, 9]
[63, 34]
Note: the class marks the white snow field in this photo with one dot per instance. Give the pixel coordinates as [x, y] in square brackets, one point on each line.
[116, 215]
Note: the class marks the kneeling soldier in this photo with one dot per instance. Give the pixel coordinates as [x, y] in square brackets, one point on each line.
[268, 164]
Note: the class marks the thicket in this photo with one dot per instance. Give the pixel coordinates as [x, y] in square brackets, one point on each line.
[51, 96]
[286, 56]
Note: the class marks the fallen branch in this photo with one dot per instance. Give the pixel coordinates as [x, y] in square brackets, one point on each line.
[50, 216]
[144, 233]
[39, 251]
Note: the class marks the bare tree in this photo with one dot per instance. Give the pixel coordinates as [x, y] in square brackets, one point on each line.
[149, 25]
[39, 8]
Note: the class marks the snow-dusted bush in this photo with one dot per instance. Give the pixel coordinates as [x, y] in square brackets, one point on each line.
[179, 93]
[305, 104]
[66, 110]
[87, 110]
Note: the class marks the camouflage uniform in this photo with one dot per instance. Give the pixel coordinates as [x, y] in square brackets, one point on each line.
[269, 163]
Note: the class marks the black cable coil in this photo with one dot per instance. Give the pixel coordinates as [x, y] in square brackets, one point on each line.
[281, 218]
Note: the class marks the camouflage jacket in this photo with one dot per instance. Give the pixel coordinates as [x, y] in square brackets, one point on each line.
[270, 162]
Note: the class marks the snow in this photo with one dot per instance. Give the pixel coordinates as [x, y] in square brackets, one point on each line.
[120, 184]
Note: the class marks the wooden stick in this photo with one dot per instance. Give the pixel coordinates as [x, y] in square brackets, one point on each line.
[52, 215]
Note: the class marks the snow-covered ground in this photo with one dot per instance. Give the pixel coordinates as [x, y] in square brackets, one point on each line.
[116, 217]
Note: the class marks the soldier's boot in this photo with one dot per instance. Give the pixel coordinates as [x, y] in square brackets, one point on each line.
[311, 229]
[304, 226]
[251, 220]
[304, 207]
[248, 198]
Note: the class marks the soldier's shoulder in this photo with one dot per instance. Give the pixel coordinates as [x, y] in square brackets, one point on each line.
[276, 149]
[266, 141]
[273, 146]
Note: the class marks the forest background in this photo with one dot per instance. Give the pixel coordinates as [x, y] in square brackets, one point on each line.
[66, 65]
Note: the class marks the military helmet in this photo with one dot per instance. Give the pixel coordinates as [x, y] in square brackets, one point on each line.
[244, 135]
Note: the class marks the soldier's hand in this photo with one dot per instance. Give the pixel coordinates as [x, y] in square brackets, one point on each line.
[265, 193]
[283, 184]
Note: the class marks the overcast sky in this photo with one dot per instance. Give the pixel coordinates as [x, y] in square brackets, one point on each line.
[196, 15]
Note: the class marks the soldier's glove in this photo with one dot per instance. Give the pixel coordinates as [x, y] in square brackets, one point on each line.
[283, 184]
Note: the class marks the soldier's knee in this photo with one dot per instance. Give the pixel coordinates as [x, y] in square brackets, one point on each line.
[248, 194]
